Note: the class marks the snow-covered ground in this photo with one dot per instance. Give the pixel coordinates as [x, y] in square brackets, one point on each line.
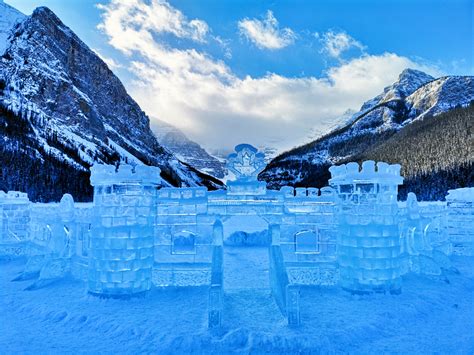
[431, 315]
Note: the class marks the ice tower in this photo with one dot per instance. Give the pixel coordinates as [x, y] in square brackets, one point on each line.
[121, 253]
[368, 240]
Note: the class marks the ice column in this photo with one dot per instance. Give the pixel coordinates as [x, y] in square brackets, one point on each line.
[368, 244]
[461, 220]
[121, 251]
[14, 217]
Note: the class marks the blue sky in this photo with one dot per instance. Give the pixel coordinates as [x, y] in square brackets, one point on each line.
[267, 72]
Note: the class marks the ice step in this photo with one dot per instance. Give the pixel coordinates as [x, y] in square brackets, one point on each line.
[246, 268]
[245, 307]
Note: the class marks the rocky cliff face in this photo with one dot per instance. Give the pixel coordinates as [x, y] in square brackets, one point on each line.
[415, 97]
[76, 109]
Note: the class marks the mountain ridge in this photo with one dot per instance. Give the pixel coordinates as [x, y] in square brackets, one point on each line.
[187, 150]
[66, 93]
[377, 120]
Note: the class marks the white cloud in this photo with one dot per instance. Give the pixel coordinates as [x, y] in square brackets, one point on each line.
[335, 43]
[205, 99]
[157, 16]
[266, 34]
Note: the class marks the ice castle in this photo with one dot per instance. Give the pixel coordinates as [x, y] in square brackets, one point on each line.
[136, 236]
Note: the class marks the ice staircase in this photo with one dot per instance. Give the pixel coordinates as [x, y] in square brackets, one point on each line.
[247, 293]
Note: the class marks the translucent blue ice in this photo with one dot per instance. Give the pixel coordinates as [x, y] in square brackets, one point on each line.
[136, 235]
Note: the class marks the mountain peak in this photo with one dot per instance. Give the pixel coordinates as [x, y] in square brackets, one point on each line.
[76, 113]
[412, 79]
[44, 11]
[408, 82]
[410, 73]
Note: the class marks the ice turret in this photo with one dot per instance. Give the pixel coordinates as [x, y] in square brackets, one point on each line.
[121, 254]
[369, 241]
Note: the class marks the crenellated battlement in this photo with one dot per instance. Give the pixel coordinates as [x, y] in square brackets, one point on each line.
[123, 174]
[187, 194]
[14, 197]
[465, 194]
[368, 172]
[310, 193]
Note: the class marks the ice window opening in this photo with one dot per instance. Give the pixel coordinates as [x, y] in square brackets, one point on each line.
[307, 242]
[183, 243]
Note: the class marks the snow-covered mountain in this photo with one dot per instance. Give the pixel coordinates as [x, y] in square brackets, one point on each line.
[414, 97]
[186, 150]
[73, 112]
[9, 16]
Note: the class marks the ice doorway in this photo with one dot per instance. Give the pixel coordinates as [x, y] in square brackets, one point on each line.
[246, 261]
[246, 230]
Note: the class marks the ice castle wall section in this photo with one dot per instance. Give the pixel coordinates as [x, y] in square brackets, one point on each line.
[183, 238]
[308, 236]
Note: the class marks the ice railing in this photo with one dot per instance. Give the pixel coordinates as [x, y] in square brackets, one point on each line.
[45, 225]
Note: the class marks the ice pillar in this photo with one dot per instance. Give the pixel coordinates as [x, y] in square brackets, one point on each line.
[460, 203]
[368, 245]
[14, 217]
[121, 250]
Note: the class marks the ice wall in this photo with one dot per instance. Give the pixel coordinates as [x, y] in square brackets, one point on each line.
[121, 252]
[460, 207]
[183, 238]
[309, 235]
[369, 240]
[14, 217]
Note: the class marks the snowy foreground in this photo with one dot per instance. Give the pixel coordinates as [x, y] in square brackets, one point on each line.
[433, 314]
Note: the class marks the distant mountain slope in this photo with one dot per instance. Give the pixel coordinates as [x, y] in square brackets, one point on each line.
[9, 16]
[436, 154]
[74, 111]
[186, 150]
[414, 98]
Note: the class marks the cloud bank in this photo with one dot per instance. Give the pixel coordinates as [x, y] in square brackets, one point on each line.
[212, 105]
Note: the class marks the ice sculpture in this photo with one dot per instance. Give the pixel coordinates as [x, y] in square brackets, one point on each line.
[417, 253]
[369, 241]
[246, 163]
[122, 237]
[135, 236]
[413, 238]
